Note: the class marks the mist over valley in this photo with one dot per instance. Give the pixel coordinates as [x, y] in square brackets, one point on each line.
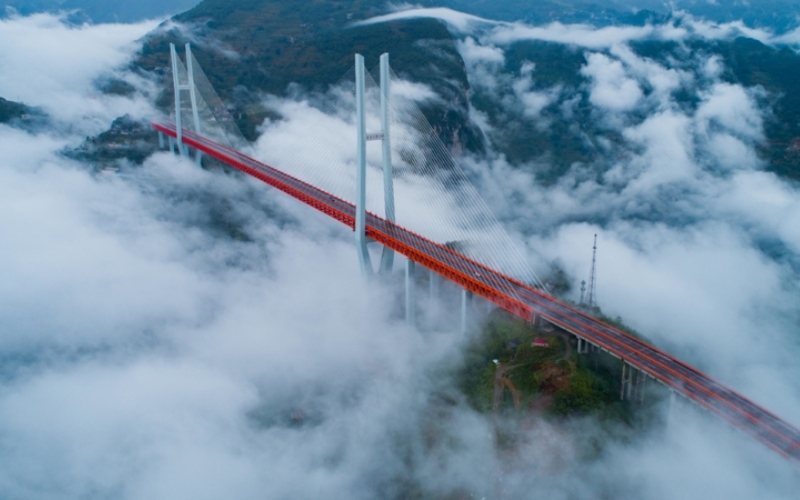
[172, 330]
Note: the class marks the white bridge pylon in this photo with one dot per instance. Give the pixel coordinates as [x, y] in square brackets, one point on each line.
[420, 159]
[387, 257]
[179, 86]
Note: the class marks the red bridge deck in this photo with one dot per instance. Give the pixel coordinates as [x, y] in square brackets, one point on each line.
[523, 301]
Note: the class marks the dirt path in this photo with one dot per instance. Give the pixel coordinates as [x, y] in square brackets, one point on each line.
[501, 381]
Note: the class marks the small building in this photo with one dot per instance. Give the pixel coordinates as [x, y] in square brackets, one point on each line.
[540, 343]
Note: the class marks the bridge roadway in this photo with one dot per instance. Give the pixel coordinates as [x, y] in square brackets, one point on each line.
[523, 301]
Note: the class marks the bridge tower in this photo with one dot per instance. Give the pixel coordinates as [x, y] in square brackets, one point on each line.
[387, 257]
[179, 86]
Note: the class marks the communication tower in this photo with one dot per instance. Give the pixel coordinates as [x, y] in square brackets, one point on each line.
[592, 299]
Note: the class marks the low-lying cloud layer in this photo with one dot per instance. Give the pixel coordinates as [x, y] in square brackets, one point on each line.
[698, 244]
[149, 350]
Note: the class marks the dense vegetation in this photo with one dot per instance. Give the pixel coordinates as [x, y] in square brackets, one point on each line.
[551, 379]
[21, 115]
[10, 110]
[127, 140]
[777, 15]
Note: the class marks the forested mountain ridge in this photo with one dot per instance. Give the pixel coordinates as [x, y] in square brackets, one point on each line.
[253, 47]
[264, 46]
[100, 11]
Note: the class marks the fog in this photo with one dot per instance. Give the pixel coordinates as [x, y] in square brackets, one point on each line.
[148, 353]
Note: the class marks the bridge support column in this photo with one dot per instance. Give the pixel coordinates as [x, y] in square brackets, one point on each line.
[435, 285]
[361, 174]
[161, 140]
[625, 386]
[671, 409]
[171, 145]
[642, 385]
[410, 292]
[466, 302]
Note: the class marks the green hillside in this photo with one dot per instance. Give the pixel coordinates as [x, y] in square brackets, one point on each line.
[10, 110]
[21, 115]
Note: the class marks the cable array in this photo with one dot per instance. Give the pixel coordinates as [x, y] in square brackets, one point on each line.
[315, 140]
[215, 120]
[464, 221]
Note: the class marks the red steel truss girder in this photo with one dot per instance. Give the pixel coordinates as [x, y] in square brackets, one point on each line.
[471, 284]
[690, 386]
[229, 157]
[637, 353]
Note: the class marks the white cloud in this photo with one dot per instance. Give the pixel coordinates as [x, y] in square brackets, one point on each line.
[663, 81]
[581, 35]
[533, 101]
[668, 153]
[483, 63]
[53, 65]
[457, 20]
[473, 53]
[612, 89]
[732, 108]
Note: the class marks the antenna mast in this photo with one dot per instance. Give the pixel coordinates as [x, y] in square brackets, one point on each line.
[592, 300]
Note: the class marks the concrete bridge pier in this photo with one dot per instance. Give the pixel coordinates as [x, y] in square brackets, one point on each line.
[672, 405]
[625, 386]
[411, 286]
[466, 303]
[583, 346]
[633, 383]
[640, 386]
[435, 285]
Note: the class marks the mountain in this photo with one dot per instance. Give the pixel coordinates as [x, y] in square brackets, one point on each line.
[20, 115]
[777, 15]
[563, 139]
[269, 45]
[252, 47]
[102, 11]
[598, 13]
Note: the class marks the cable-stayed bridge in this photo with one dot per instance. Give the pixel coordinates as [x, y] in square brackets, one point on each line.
[481, 269]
